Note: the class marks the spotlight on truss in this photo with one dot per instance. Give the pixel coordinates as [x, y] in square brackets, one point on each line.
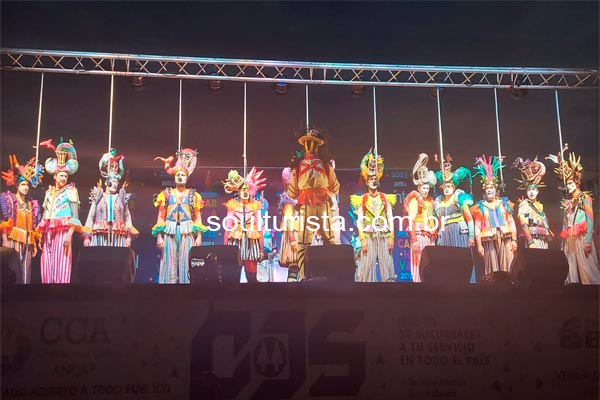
[357, 90]
[138, 83]
[215, 86]
[515, 90]
[281, 88]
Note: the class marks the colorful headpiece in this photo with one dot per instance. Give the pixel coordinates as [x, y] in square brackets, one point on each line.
[311, 140]
[66, 157]
[253, 181]
[532, 172]
[371, 165]
[186, 160]
[422, 175]
[111, 165]
[488, 169]
[567, 170]
[446, 175]
[286, 176]
[19, 173]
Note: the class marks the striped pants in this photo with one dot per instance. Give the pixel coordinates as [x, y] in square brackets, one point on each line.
[174, 259]
[415, 256]
[307, 230]
[377, 251]
[24, 252]
[105, 239]
[56, 259]
[582, 269]
[498, 255]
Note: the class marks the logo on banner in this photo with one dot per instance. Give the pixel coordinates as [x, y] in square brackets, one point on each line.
[270, 357]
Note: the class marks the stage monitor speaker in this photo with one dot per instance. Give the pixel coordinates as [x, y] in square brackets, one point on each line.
[10, 271]
[333, 263]
[103, 264]
[446, 265]
[214, 265]
[539, 267]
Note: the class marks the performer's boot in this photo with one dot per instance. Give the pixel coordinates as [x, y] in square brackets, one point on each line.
[293, 272]
[251, 277]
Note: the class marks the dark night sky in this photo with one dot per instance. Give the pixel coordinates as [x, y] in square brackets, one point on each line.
[550, 34]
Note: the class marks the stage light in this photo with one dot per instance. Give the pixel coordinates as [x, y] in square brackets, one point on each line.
[281, 88]
[215, 86]
[516, 91]
[357, 90]
[138, 83]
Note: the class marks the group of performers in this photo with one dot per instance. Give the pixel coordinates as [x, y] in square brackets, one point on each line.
[311, 190]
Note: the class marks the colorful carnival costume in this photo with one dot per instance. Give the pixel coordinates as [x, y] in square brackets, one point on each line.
[60, 217]
[452, 208]
[418, 205]
[530, 212]
[495, 231]
[179, 223]
[312, 183]
[578, 222]
[243, 223]
[19, 215]
[109, 220]
[375, 223]
[288, 250]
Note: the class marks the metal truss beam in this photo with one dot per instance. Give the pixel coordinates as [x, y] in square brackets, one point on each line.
[67, 62]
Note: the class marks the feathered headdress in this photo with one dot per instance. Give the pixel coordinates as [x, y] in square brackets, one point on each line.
[286, 176]
[253, 181]
[532, 172]
[446, 174]
[186, 160]
[488, 169]
[66, 157]
[19, 173]
[422, 175]
[566, 170]
[371, 165]
[111, 165]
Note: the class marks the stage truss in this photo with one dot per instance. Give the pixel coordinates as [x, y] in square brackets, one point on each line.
[130, 65]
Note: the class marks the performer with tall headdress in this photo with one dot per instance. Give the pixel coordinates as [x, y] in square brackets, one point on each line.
[452, 208]
[578, 223]
[288, 253]
[179, 224]
[60, 215]
[312, 184]
[243, 223]
[375, 223]
[530, 211]
[109, 220]
[19, 214]
[418, 205]
[495, 231]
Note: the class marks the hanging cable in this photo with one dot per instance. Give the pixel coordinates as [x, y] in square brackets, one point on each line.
[560, 138]
[375, 121]
[307, 123]
[39, 126]
[179, 128]
[439, 110]
[498, 138]
[110, 112]
[245, 131]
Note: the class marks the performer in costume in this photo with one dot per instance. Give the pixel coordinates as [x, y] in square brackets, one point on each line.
[530, 212]
[288, 256]
[109, 220]
[452, 208]
[495, 231]
[312, 183]
[19, 214]
[179, 224]
[243, 223]
[418, 205]
[375, 223]
[60, 219]
[578, 222]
